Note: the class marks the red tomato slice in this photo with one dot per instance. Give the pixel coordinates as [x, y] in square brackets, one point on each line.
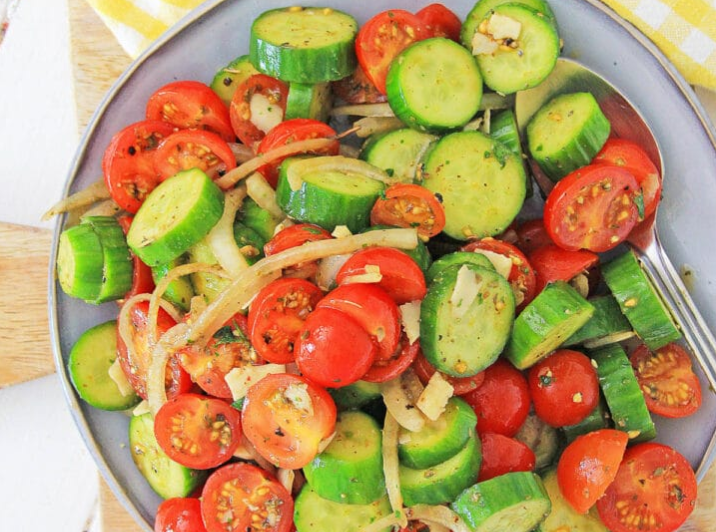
[128, 162]
[333, 349]
[592, 208]
[502, 401]
[242, 121]
[532, 235]
[229, 348]
[502, 454]
[197, 431]
[193, 148]
[191, 105]
[552, 263]
[373, 308]
[461, 385]
[179, 514]
[409, 205]
[655, 486]
[588, 465]
[135, 363]
[441, 21]
[291, 131]
[632, 157]
[564, 387]
[142, 280]
[667, 379]
[241, 497]
[286, 417]
[382, 38]
[357, 89]
[277, 315]
[384, 370]
[522, 276]
[402, 278]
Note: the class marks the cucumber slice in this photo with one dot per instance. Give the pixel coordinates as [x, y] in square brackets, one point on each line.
[434, 85]
[328, 191]
[554, 315]
[231, 76]
[543, 439]
[597, 419]
[622, 393]
[165, 476]
[607, 324]
[442, 483]
[350, 469]
[639, 301]
[481, 182]
[258, 219]
[176, 215]
[251, 244]
[438, 440]
[355, 395]
[465, 319]
[503, 128]
[309, 101]
[180, 290]
[315, 514]
[562, 517]
[205, 284]
[90, 359]
[304, 45]
[516, 48]
[80, 262]
[457, 258]
[515, 501]
[398, 152]
[117, 267]
[566, 133]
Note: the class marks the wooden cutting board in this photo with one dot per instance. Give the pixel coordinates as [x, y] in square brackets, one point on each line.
[24, 256]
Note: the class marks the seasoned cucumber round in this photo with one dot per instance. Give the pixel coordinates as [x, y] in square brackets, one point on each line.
[566, 133]
[355, 395]
[80, 262]
[562, 517]
[90, 359]
[350, 469]
[597, 419]
[607, 324]
[398, 152]
[457, 258]
[176, 215]
[258, 219]
[308, 100]
[482, 9]
[481, 182]
[208, 285]
[231, 76]
[466, 319]
[434, 85]
[304, 44]
[313, 513]
[117, 267]
[180, 291]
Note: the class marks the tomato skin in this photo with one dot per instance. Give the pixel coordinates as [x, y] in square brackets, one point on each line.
[285, 433]
[552, 263]
[240, 108]
[244, 491]
[384, 370]
[198, 431]
[193, 148]
[588, 465]
[142, 280]
[333, 349]
[277, 315]
[290, 131]
[441, 21]
[402, 278]
[295, 235]
[357, 88]
[128, 162]
[409, 205]
[632, 157]
[667, 379]
[531, 235]
[382, 38]
[653, 483]
[564, 387]
[461, 385]
[592, 208]
[179, 514]
[502, 454]
[502, 401]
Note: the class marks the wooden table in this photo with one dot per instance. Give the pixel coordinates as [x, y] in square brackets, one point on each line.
[24, 255]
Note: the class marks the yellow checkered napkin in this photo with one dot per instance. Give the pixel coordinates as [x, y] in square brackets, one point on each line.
[685, 30]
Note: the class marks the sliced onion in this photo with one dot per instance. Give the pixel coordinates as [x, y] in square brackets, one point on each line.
[363, 109]
[286, 478]
[104, 208]
[241, 152]
[221, 237]
[377, 124]
[263, 194]
[391, 467]
[401, 404]
[87, 196]
[328, 269]
[442, 515]
[387, 521]
[334, 163]
[156, 374]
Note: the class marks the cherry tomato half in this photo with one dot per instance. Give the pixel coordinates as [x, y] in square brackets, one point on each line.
[384, 370]
[502, 401]
[179, 514]
[531, 235]
[552, 263]
[667, 379]
[588, 465]
[409, 205]
[502, 454]
[654, 485]
[461, 385]
[441, 21]
[128, 162]
[240, 497]
[564, 387]
[286, 417]
[197, 431]
[193, 148]
[294, 236]
[257, 106]
[142, 280]
[190, 105]
[592, 208]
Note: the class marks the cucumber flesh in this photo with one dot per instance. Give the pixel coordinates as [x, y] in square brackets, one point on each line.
[80, 262]
[251, 244]
[457, 258]
[355, 395]
[599, 418]
[482, 9]
[258, 219]
[562, 517]
[180, 291]
[606, 322]
[315, 514]
[117, 266]
[399, 152]
[205, 284]
[308, 101]
[231, 76]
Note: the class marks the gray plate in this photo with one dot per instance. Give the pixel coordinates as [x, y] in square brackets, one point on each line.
[217, 32]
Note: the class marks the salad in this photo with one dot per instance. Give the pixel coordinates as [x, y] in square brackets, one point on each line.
[352, 322]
